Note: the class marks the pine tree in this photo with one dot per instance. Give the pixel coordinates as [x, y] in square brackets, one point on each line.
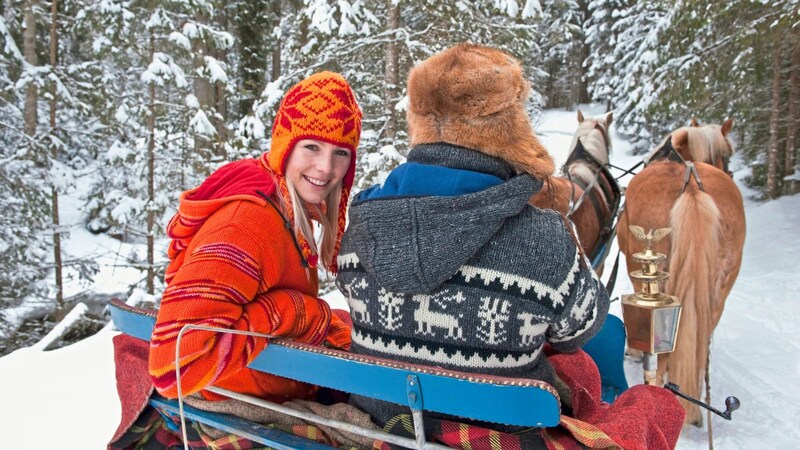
[250, 19]
[352, 37]
[48, 140]
[562, 43]
[152, 117]
[718, 62]
[23, 267]
[602, 70]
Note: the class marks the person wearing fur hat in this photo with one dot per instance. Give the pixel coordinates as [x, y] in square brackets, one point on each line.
[243, 254]
[447, 264]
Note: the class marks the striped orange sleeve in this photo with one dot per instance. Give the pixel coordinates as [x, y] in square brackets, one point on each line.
[217, 287]
[339, 334]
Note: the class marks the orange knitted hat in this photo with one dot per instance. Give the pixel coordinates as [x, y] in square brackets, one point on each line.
[320, 107]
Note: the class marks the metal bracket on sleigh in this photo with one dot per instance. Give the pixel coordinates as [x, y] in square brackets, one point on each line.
[502, 400]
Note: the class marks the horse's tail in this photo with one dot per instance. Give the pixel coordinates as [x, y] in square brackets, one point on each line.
[695, 222]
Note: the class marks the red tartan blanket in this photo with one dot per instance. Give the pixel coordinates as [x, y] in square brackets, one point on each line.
[643, 417]
[133, 381]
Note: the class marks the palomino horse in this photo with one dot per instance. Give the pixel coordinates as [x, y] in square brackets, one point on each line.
[704, 143]
[703, 206]
[592, 212]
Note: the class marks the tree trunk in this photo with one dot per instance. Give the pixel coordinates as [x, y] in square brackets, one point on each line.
[8, 11]
[31, 57]
[276, 46]
[391, 69]
[303, 25]
[202, 87]
[551, 86]
[203, 90]
[219, 122]
[220, 97]
[772, 156]
[250, 27]
[151, 197]
[583, 82]
[60, 311]
[793, 119]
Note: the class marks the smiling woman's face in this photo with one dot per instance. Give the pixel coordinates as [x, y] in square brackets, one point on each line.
[315, 168]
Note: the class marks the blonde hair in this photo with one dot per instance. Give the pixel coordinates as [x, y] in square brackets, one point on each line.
[327, 242]
[707, 143]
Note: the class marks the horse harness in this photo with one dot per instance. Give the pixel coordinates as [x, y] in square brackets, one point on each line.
[610, 189]
[668, 152]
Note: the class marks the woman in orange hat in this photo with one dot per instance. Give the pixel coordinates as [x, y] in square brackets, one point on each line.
[243, 254]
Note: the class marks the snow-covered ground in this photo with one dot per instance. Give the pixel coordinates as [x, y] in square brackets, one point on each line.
[67, 398]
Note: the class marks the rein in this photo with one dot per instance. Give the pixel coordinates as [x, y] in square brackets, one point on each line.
[580, 154]
[574, 205]
[611, 190]
[625, 171]
[666, 151]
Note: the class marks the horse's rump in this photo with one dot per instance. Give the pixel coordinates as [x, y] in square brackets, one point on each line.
[704, 254]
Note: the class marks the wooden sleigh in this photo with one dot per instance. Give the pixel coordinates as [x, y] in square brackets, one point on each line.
[510, 401]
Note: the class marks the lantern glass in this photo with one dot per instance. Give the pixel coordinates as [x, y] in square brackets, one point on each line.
[651, 324]
[665, 328]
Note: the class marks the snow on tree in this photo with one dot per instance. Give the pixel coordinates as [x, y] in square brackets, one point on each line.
[48, 142]
[152, 96]
[561, 41]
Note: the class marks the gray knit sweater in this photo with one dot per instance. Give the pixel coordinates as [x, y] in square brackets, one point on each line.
[475, 282]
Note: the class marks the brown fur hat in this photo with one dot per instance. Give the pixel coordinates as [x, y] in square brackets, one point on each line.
[474, 97]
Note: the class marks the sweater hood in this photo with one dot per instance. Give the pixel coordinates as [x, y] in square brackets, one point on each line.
[434, 235]
[244, 180]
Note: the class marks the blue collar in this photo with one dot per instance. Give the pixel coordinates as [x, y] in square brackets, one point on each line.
[421, 180]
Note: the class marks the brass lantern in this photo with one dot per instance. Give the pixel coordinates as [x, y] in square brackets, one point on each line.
[651, 316]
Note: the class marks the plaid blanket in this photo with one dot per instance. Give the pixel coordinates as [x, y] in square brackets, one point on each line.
[463, 436]
[159, 430]
[641, 418]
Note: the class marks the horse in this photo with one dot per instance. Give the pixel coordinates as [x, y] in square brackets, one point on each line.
[704, 208]
[705, 143]
[586, 169]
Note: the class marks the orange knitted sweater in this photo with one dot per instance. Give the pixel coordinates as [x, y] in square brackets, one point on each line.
[234, 264]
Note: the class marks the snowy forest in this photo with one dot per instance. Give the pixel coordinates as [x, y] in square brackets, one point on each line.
[123, 104]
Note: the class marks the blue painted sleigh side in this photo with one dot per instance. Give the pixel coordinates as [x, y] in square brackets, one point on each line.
[510, 401]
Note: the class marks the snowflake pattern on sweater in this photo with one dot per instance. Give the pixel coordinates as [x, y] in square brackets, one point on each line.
[491, 322]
